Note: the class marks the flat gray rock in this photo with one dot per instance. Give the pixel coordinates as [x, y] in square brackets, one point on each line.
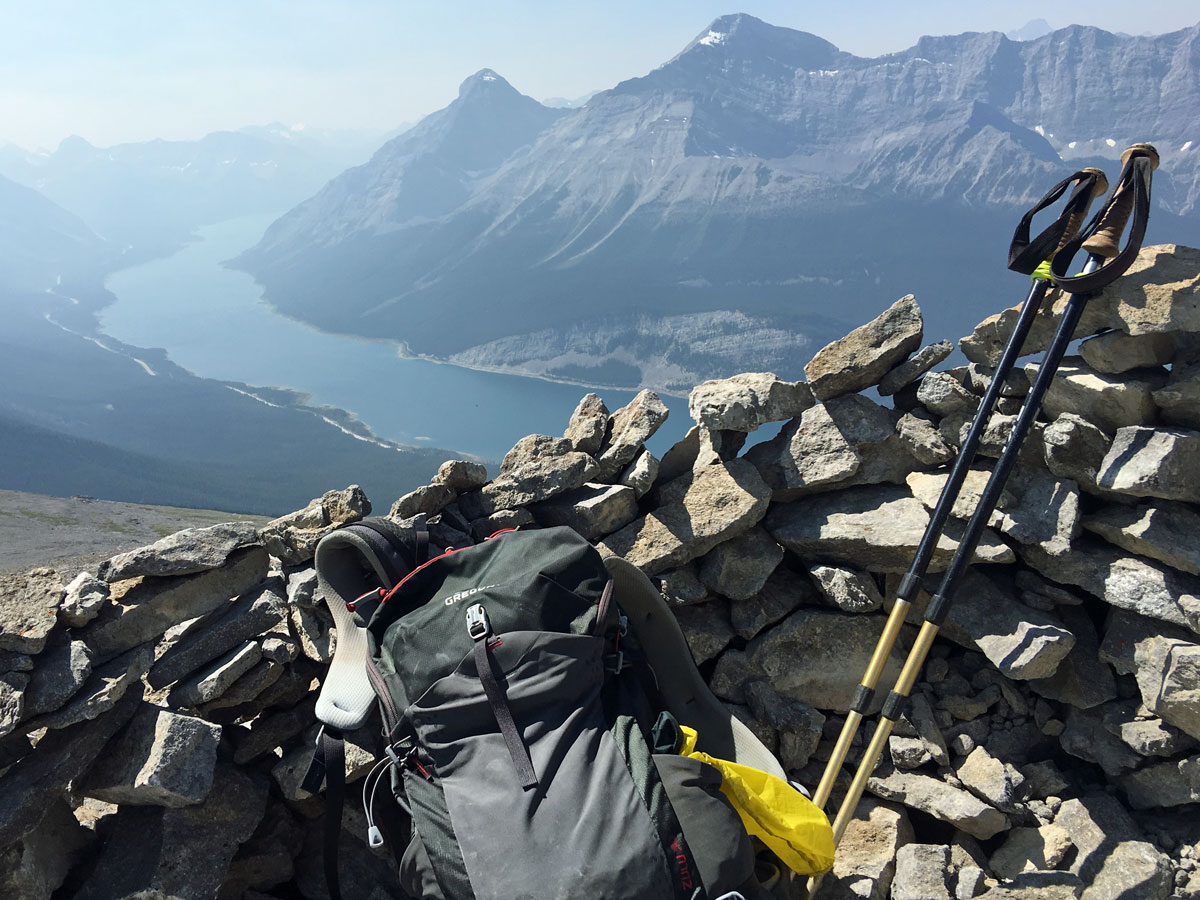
[1168, 676]
[865, 864]
[921, 872]
[182, 553]
[694, 514]
[864, 356]
[29, 605]
[849, 590]
[1179, 399]
[588, 425]
[537, 468]
[1074, 448]
[641, 474]
[593, 510]
[1153, 462]
[959, 808]
[782, 593]
[739, 568]
[85, 597]
[912, 369]
[101, 692]
[1115, 352]
[36, 780]
[215, 679]
[874, 527]
[1166, 784]
[744, 402]
[63, 668]
[1108, 401]
[143, 609]
[1161, 530]
[251, 614]
[630, 427]
[161, 759]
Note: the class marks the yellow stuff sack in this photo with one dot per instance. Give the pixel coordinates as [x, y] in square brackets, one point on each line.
[773, 811]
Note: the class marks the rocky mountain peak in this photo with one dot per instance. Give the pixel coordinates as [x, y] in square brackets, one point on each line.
[486, 83]
[743, 36]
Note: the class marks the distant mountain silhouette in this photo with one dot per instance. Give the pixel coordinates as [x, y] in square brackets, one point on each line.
[41, 242]
[737, 206]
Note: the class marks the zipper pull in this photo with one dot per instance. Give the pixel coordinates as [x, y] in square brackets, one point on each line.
[478, 626]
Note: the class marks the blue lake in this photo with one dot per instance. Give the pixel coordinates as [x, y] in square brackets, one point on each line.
[212, 321]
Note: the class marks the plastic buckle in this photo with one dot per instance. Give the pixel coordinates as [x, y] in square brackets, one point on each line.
[619, 664]
[478, 626]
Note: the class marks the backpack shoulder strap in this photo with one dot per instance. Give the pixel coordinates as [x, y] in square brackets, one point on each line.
[353, 563]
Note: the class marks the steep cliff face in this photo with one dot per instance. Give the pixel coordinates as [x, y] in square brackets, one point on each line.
[1052, 740]
[760, 171]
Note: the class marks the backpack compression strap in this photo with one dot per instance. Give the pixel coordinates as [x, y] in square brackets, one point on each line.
[343, 560]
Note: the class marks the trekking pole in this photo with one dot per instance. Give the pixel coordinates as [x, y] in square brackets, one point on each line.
[1028, 258]
[1100, 239]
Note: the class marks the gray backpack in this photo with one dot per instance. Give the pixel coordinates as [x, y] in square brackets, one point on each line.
[528, 734]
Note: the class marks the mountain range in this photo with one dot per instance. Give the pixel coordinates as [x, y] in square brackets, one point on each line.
[739, 205]
[146, 198]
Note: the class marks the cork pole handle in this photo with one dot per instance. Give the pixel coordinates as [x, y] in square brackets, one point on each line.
[1076, 219]
[1106, 242]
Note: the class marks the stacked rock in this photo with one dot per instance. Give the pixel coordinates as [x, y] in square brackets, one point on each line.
[156, 718]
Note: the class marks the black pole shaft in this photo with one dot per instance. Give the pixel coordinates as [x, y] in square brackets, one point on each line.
[907, 589]
[939, 606]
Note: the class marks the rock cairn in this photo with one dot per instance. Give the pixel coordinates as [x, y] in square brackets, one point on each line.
[156, 717]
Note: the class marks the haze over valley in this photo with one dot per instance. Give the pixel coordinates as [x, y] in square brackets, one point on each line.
[759, 193]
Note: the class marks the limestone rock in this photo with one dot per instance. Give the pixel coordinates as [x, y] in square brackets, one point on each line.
[537, 468]
[630, 427]
[1031, 849]
[429, 499]
[1165, 784]
[1107, 401]
[1124, 631]
[213, 680]
[783, 592]
[461, 475]
[1153, 462]
[912, 369]
[588, 425]
[63, 668]
[248, 616]
[85, 596]
[302, 588]
[744, 402]
[873, 527]
[143, 609]
[1096, 823]
[739, 568]
[1128, 582]
[922, 440]
[1145, 734]
[293, 538]
[272, 730]
[835, 650]
[593, 510]
[1160, 292]
[866, 860]
[1179, 399]
[182, 852]
[991, 780]
[868, 353]
[500, 520]
[847, 589]
[978, 378]
[12, 700]
[928, 486]
[921, 872]
[706, 628]
[182, 553]
[101, 692]
[1168, 676]
[682, 586]
[1045, 511]
[266, 860]
[641, 473]
[28, 609]
[1081, 678]
[1115, 352]
[798, 724]
[1161, 530]
[829, 444]
[949, 804]
[1075, 449]
[942, 395]
[1038, 885]
[682, 457]
[314, 630]
[695, 513]
[34, 781]
[161, 759]
[37, 865]
[246, 689]
[1087, 737]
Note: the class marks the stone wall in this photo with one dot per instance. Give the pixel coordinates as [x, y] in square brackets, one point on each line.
[156, 716]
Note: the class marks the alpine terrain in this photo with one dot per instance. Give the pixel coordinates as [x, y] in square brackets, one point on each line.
[745, 202]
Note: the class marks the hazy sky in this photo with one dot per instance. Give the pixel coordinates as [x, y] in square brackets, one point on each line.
[129, 70]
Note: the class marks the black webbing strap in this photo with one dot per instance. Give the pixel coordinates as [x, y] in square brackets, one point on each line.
[481, 631]
[1135, 176]
[1025, 255]
[396, 557]
[329, 765]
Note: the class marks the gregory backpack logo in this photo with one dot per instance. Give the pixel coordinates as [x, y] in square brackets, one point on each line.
[463, 595]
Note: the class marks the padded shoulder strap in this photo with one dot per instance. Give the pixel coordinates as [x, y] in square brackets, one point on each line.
[350, 562]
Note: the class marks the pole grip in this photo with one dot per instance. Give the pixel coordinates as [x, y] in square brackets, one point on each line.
[1077, 217]
[1106, 239]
